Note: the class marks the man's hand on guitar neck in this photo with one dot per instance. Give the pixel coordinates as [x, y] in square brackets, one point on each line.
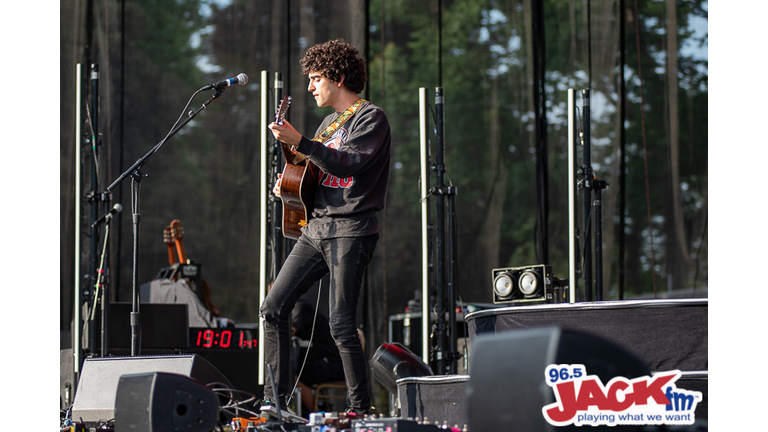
[285, 133]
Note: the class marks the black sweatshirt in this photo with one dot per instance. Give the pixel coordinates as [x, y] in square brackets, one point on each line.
[355, 171]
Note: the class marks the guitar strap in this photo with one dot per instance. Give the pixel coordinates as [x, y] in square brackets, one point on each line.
[328, 132]
[340, 120]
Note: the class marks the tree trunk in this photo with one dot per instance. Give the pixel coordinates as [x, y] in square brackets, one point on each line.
[674, 132]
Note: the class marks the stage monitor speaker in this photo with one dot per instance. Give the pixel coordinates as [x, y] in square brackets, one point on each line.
[507, 374]
[97, 388]
[159, 401]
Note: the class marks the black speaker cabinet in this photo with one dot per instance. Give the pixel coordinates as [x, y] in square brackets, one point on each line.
[163, 327]
[159, 401]
[507, 374]
[99, 377]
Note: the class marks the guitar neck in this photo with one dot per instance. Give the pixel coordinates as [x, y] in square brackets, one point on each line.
[181, 252]
[171, 254]
[177, 232]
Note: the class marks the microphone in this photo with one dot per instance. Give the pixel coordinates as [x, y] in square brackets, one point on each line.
[241, 79]
[117, 208]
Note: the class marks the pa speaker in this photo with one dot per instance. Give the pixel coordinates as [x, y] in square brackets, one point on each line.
[507, 374]
[159, 401]
[97, 389]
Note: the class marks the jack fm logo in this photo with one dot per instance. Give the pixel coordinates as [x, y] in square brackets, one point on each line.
[583, 400]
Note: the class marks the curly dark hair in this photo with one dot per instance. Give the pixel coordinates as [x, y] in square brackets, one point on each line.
[333, 59]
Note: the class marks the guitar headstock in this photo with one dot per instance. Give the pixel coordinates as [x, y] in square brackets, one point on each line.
[282, 109]
[171, 244]
[167, 235]
[177, 231]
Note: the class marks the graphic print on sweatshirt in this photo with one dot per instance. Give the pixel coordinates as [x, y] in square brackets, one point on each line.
[334, 142]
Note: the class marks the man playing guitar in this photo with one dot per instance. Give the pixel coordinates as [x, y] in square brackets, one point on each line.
[352, 151]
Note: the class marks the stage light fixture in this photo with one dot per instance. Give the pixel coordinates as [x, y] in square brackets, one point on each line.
[393, 361]
[529, 284]
[503, 284]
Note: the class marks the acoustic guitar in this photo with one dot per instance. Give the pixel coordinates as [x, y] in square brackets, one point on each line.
[173, 236]
[298, 184]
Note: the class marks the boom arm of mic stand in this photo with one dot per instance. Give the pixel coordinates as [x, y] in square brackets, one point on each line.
[135, 173]
[143, 160]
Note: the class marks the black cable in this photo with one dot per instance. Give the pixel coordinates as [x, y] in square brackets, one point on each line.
[94, 147]
[311, 338]
[233, 406]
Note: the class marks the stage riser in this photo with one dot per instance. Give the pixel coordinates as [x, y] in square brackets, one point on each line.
[668, 335]
[663, 335]
[439, 399]
[446, 402]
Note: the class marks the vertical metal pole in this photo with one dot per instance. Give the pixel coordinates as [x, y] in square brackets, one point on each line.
[587, 186]
[623, 150]
[452, 280]
[423, 148]
[263, 197]
[572, 219]
[597, 212]
[280, 244]
[97, 199]
[77, 336]
[94, 204]
[440, 237]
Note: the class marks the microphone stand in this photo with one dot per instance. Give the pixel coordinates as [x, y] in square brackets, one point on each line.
[134, 172]
[446, 354]
[592, 187]
[586, 172]
[100, 290]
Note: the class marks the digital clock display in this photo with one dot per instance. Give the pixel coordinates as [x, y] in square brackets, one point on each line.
[223, 338]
